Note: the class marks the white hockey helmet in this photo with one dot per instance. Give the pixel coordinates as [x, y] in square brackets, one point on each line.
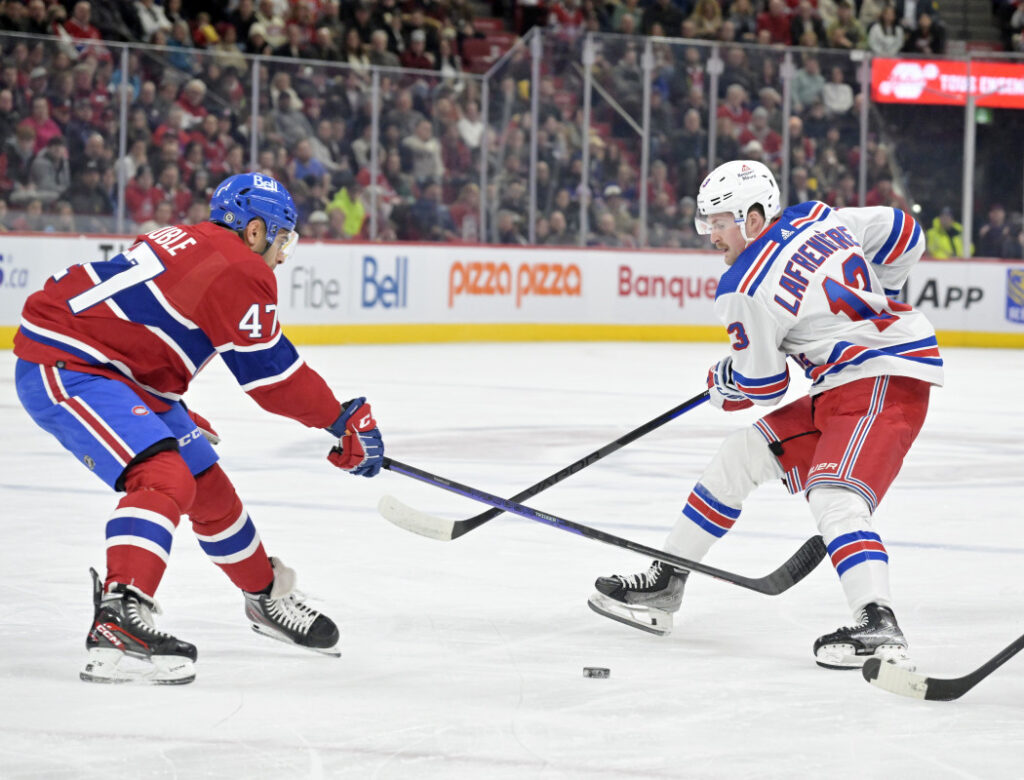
[734, 187]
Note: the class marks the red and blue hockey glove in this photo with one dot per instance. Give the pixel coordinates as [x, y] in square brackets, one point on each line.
[204, 427]
[360, 449]
[724, 393]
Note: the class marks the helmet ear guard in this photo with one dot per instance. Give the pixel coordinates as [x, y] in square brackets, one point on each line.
[734, 188]
[241, 198]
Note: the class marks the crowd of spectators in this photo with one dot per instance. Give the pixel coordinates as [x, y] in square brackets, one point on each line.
[190, 119]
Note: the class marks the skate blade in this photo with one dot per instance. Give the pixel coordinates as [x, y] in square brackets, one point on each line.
[649, 619]
[842, 657]
[110, 666]
[333, 652]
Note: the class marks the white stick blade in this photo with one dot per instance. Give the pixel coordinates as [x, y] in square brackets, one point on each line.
[896, 679]
[414, 520]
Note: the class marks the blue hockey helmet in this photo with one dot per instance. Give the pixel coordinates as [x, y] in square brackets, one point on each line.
[245, 196]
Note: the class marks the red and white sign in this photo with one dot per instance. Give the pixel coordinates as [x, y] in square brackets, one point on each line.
[944, 82]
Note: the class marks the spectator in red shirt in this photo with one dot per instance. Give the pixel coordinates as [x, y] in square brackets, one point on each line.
[80, 26]
[776, 21]
[141, 196]
[171, 191]
[416, 55]
[172, 126]
[734, 106]
[41, 122]
[191, 104]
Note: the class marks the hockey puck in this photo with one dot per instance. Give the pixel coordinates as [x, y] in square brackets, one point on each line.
[598, 672]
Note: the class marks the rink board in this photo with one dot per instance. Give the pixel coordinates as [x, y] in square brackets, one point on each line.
[345, 293]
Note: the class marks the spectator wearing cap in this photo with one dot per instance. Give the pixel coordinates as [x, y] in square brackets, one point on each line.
[37, 81]
[994, 236]
[257, 40]
[618, 206]
[946, 237]
[416, 55]
[317, 226]
[90, 201]
[41, 122]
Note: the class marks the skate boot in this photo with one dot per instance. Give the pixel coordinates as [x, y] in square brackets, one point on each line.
[645, 600]
[124, 646]
[877, 635]
[282, 615]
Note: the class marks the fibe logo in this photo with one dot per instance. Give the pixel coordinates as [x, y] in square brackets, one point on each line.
[311, 292]
[387, 290]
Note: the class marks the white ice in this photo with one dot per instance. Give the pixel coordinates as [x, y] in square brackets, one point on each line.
[464, 659]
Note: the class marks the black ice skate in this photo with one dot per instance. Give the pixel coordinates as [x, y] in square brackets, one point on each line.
[124, 646]
[645, 600]
[282, 615]
[877, 635]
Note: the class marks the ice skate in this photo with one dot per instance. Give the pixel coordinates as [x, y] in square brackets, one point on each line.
[125, 647]
[645, 600]
[877, 635]
[282, 615]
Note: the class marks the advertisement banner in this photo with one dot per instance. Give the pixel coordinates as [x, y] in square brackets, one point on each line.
[333, 293]
[945, 82]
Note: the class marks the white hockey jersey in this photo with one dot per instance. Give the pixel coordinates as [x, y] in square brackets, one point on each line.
[818, 286]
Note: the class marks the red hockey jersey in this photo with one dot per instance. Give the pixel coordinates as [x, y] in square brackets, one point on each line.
[155, 314]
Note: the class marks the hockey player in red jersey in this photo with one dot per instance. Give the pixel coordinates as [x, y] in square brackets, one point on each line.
[817, 286]
[106, 350]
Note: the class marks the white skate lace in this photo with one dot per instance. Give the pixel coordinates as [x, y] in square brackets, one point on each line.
[291, 613]
[140, 615]
[642, 580]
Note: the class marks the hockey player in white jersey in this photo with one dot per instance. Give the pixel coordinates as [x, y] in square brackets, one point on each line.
[815, 286]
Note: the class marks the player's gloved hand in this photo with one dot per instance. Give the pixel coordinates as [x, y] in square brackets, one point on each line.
[724, 393]
[360, 449]
[204, 427]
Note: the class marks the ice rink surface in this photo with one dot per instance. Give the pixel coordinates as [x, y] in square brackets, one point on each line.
[464, 659]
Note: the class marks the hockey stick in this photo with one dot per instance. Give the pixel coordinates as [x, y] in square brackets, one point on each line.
[799, 565]
[906, 683]
[446, 530]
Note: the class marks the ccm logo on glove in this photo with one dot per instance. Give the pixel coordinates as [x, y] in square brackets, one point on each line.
[360, 448]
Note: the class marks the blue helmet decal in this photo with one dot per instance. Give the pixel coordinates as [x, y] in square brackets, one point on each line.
[245, 196]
